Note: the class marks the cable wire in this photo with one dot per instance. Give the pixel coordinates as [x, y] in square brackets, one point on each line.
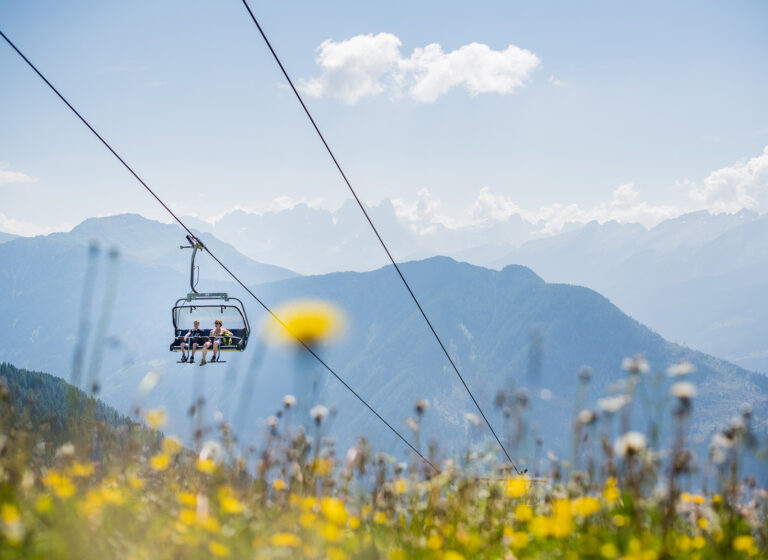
[373, 227]
[215, 258]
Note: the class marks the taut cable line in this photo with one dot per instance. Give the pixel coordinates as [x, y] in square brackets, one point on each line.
[215, 258]
[373, 227]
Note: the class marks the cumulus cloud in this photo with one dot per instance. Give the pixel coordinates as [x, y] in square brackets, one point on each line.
[27, 229]
[368, 65]
[742, 185]
[8, 177]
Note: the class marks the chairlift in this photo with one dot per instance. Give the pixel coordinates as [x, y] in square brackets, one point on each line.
[207, 308]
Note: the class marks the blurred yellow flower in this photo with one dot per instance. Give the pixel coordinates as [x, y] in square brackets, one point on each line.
[585, 506]
[334, 511]
[187, 499]
[354, 522]
[43, 504]
[156, 418]
[401, 486]
[434, 542]
[523, 513]
[452, 555]
[111, 494]
[160, 462]
[397, 554]
[519, 539]
[330, 532]
[279, 484]
[60, 485]
[13, 530]
[609, 550]
[516, 487]
[285, 540]
[9, 513]
[312, 321]
[207, 465]
[218, 549]
[322, 466]
[307, 519]
[745, 543]
[172, 445]
[335, 553]
[80, 470]
[135, 482]
[380, 517]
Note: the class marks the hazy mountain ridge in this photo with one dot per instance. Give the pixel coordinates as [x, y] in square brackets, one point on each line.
[488, 319]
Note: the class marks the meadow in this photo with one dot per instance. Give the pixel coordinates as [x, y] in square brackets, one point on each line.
[108, 487]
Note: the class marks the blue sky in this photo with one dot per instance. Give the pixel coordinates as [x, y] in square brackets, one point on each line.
[632, 111]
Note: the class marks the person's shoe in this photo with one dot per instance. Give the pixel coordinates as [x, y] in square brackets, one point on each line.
[203, 362]
[183, 358]
[215, 359]
[192, 360]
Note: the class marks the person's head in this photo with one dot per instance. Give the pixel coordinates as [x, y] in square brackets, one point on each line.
[197, 324]
[218, 323]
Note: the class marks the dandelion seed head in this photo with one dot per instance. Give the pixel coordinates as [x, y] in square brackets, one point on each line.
[681, 369]
[630, 444]
[683, 390]
[289, 401]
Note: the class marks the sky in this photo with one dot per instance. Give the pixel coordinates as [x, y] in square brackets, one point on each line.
[460, 113]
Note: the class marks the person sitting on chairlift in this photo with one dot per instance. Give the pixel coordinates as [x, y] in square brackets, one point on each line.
[193, 337]
[217, 334]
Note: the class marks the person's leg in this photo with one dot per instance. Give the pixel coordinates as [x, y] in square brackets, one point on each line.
[216, 353]
[205, 351]
[184, 347]
[192, 355]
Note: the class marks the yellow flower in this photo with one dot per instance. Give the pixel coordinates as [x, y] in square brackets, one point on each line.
[9, 513]
[188, 517]
[333, 510]
[523, 513]
[585, 506]
[112, 494]
[380, 517]
[434, 542]
[322, 466]
[397, 554]
[310, 320]
[307, 519]
[745, 543]
[231, 505]
[156, 418]
[172, 445]
[80, 470]
[218, 549]
[43, 504]
[519, 539]
[452, 555]
[703, 523]
[187, 499]
[59, 484]
[135, 482]
[91, 505]
[354, 522]
[400, 486]
[279, 484]
[335, 553]
[539, 526]
[609, 550]
[206, 466]
[516, 487]
[330, 532]
[12, 528]
[160, 462]
[285, 540]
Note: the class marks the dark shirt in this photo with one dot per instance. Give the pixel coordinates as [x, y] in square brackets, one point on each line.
[195, 333]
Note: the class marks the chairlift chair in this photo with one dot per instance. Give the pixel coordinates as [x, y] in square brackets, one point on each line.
[207, 308]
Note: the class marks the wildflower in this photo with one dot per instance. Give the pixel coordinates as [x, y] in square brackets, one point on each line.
[745, 543]
[322, 466]
[66, 450]
[452, 555]
[421, 406]
[206, 466]
[60, 485]
[218, 549]
[272, 422]
[523, 512]
[318, 413]
[157, 418]
[333, 509]
[434, 542]
[683, 390]
[330, 532]
[335, 553]
[212, 450]
[43, 504]
[630, 444]
[586, 417]
[80, 470]
[279, 484]
[681, 369]
[172, 445]
[160, 462]
[400, 486]
[412, 424]
[311, 321]
[13, 530]
[111, 494]
[289, 401]
[609, 550]
[636, 365]
[519, 539]
[188, 499]
[307, 519]
[229, 503]
[379, 517]
[516, 487]
[585, 506]
[611, 405]
[287, 540]
[610, 492]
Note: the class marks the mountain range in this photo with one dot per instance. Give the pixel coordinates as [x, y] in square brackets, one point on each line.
[503, 328]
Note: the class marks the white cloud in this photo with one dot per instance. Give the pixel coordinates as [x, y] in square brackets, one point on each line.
[8, 177]
[368, 65]
[277, 204]
[554, 81]
[742, 185]
[27, 229]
